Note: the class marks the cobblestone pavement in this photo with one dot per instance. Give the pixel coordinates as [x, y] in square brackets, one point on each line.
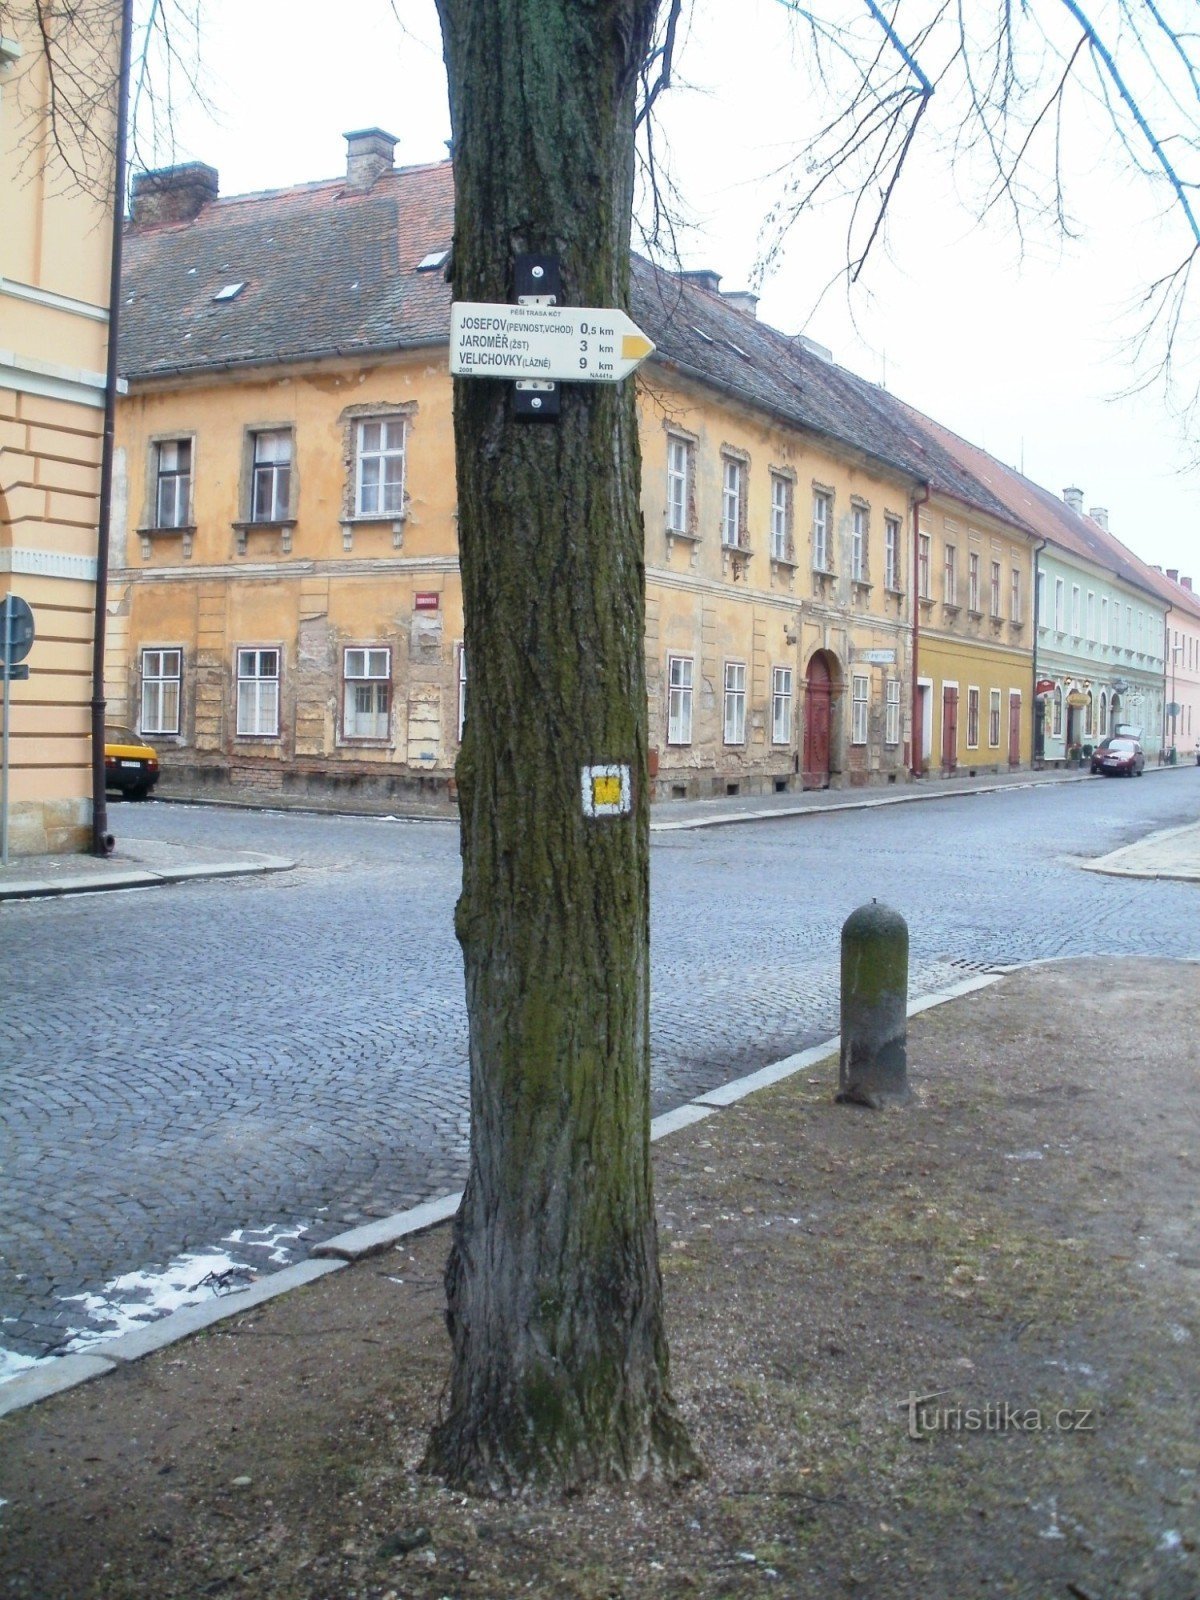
[288, 1053]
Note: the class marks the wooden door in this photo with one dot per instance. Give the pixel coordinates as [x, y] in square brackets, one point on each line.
[949, 728]
[1014, 731]
[817, 715]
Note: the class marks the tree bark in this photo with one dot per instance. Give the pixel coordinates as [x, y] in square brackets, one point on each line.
[560, 1369]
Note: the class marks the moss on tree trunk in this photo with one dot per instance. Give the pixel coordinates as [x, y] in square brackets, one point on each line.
[560, 1360]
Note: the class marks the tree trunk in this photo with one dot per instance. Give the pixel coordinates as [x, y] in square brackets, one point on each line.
[560, 1360]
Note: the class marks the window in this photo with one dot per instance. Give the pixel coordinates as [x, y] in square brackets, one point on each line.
[858, 708]
[1091, 617]
[973, 581]
[822, 517]
[995, 594]
[1040, 599]
[173, 483]
[1075, 618]
[994, 719]
[891, 712]
[368, 693]
[972, 718]
[162, 671]
[891, 553]
[379, 467]
[1087, 717]
[1129, 627]
[1103, 712]
[733, 528]
[1014, 596]
[923, 562]
[272, 476]
[1059, 605]
[781, 705]
[679, 701]
[859, 553]
[1057, 720]
[679, 484]
[735, 702]
[782, 497]
[1104, 639]
[257, 693]
[462, 690]
[950, 577]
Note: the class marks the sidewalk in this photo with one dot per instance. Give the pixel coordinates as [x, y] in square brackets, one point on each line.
[134, 864]
[845, 1290]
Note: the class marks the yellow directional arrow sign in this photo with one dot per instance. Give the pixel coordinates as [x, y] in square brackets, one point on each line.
[560, 344]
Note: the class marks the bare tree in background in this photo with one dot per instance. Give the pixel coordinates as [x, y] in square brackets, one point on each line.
[79, 43]
[1019, 98]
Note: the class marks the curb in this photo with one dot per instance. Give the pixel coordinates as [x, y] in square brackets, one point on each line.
[142, 878]
[59, 1373]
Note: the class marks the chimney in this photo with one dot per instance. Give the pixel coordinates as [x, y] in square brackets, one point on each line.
[1173, 574]
[705, 279]
[742, 300]
[1186, 583]
[1074, 498]
[172, 194]
[1099, 514]
[369, 152]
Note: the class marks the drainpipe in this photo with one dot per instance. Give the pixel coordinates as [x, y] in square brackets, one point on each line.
[102, 840]
[1033, 704]
[914, 741]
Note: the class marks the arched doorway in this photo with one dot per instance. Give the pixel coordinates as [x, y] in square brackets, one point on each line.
[818, 722]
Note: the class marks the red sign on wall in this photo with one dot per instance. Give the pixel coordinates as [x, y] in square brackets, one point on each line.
[427, 602]
[1043, 686]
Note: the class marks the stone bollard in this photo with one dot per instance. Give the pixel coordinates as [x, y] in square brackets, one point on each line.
[874, 1061]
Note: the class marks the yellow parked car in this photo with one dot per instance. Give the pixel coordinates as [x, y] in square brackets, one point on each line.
[130, 764]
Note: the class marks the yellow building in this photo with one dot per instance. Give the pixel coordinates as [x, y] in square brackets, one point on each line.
[287, 608]
[55, 246]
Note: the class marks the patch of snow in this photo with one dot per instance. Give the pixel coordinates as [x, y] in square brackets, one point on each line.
[1170, 1540]
[1026, 1155]
[12, 1362]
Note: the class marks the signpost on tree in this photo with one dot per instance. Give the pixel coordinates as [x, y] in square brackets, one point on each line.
[554, 1296]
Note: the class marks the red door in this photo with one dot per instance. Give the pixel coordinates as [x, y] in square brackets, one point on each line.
[949, 728]
[817, 699]
[1014, 731]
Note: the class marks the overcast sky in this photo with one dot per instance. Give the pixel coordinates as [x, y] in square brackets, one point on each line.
[1023, 354]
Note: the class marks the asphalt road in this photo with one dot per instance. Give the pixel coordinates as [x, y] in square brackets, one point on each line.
[277, 1058]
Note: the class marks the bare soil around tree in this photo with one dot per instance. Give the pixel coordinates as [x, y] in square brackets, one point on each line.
[1021, 1245]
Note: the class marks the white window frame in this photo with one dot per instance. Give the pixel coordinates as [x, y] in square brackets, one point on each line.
[891, 711]
[367, 667]
[1104, 633]
[680, 678]
[994, 709]
[732, 485]
[271, 475]
[860, 555]
[781, 705]
[680, 466]
[173, 483]
[161, 669]
[891, 553]
[782, 499]
[822, 525]
[1076, 611]
[462, 690]
[1090, 613]
[994, 591]
[1060, 606]
[257, 691]
[1014, 596]
[950, 575]
[735, 703]
[860, 686]
[972, 716]
[925, 566]
[973, 580]
[386, 494]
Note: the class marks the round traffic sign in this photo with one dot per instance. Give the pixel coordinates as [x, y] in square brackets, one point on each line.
[16, 629]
